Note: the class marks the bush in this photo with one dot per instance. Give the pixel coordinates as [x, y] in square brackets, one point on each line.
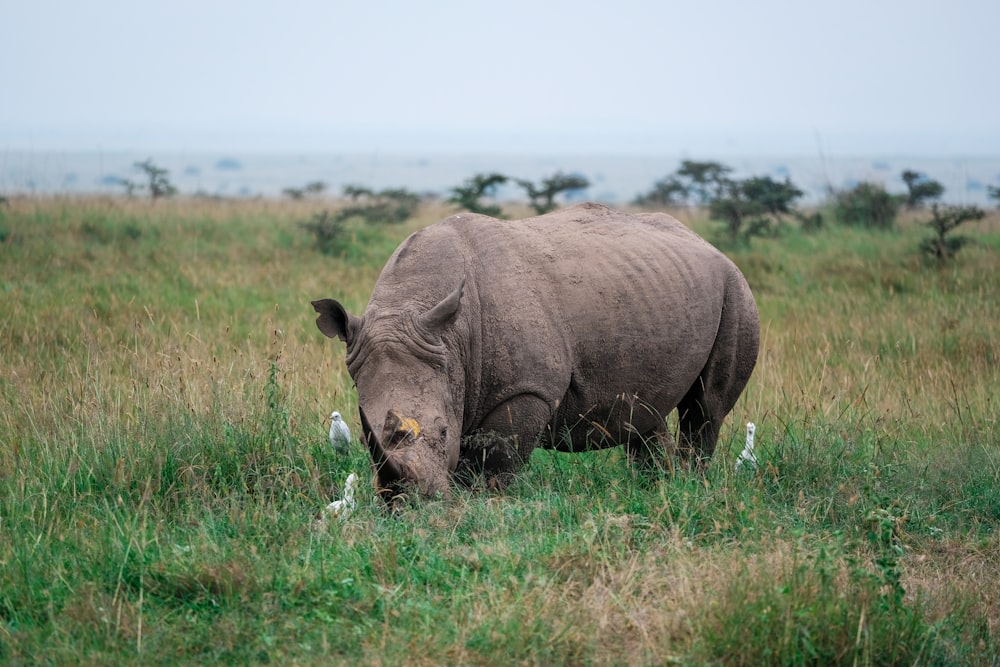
[693, 182]
[468, 196]
[542, 198]
[313, 188]
[329, 230]
[755, 207]
[866, 205]
[945, 219]
[387, 207]
[158, 184]
[993, 193]
[920, 189]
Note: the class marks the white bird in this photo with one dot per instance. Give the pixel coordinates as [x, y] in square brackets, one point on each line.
[340, 435]
[340, 509]
[747, 455]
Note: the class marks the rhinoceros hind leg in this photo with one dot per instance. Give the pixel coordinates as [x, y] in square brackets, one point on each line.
[724, 376]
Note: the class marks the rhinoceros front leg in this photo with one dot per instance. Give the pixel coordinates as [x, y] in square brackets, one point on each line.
[503, 444]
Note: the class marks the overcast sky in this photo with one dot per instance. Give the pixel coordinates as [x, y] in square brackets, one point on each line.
[850, 76]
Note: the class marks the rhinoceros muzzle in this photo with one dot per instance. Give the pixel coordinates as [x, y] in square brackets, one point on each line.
[404, 457]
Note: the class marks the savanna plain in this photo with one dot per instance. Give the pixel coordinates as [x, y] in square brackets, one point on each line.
[164, 457]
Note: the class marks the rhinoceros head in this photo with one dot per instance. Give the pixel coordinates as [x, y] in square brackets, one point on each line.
[410, 412]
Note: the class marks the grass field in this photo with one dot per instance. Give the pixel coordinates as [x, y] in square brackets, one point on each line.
[163, 458]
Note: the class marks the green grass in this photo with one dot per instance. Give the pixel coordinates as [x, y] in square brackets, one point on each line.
[163, 459]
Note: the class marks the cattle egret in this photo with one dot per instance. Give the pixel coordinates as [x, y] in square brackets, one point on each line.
[340, 435]
[340, 509]
[747, 455]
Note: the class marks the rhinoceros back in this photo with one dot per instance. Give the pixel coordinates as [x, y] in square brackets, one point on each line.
[607, 317]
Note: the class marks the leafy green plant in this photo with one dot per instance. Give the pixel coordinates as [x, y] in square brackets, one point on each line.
[920, 189]
[754, 207]
[334, 232]
[694, 182]
[706, 180]
[543, 198]
[668, 191]
[329, 230]
[866, 205]
[993, 192]
[945, 219]
[311, 189]
[158, 182]
[469, 195]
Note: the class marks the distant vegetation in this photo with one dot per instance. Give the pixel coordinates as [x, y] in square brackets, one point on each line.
[157, 182]
[745, 208]
[541, 197]
[311, 189]
[469, 195]
[333, 230]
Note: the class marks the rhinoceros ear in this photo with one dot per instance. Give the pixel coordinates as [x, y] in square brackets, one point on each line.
[335, 321]
[442, 314]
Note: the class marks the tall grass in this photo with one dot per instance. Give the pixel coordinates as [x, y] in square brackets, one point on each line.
[163, 458]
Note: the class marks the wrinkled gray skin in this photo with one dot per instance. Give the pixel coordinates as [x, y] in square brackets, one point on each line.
[574, 330]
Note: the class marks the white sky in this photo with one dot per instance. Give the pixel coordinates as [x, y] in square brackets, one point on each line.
[868, 76]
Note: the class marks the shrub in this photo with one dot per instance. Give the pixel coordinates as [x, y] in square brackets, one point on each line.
[943, 247]
[312, 188]
[993, 192]
[920, 189]
[755, 207]
[542, 199]
[706, 180]
[158, 185]
[668, 191]
[329, 231]
[468, 196]
[866, 205]
[693, 182]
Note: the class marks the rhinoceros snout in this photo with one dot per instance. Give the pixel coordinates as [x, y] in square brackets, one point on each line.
[429, 476]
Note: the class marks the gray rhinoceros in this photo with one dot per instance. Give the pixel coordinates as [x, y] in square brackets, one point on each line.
[578, 329]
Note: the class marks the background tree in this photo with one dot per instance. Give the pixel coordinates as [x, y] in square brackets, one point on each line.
[313, 188]
[668, 191]
[994, 193]
[706, 180]
[754, 206]
[469, 195]
[921, 189]
[945, 220]
[867, 205]
[542, 199]
[159, 184]
[694, 182]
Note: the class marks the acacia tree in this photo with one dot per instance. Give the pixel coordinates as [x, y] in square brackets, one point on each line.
[920, 188]
[542, 199]
[754, 206]
[668, 191]
[706, 180]
[945, 220]
[159, 184]
[469, 195]
[994, 193]
[693, 183]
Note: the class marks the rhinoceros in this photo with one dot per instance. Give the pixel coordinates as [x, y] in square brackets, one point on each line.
[579, 329]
